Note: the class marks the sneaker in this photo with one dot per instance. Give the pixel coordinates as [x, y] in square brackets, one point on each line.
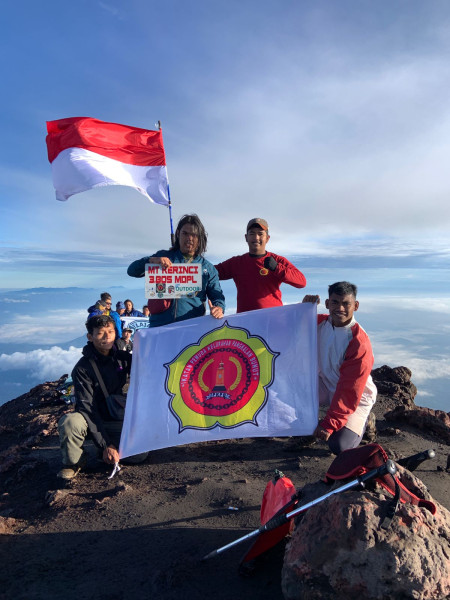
[68, 472]
[371, 428]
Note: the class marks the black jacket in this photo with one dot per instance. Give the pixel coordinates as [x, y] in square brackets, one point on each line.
[123, 345]
[90, 400]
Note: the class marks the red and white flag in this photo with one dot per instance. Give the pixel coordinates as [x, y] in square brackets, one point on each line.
[86, 153]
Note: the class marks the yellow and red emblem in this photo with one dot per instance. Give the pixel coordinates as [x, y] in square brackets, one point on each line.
[222, 380]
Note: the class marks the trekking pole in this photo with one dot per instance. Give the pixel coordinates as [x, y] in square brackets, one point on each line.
[412, 462]
[388, 468]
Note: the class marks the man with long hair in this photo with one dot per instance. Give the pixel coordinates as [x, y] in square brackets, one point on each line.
[189, 247]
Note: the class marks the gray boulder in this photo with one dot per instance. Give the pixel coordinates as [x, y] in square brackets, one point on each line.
[339, 551]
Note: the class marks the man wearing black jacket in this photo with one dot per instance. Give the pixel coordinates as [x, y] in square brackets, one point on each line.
[125, 343]
[91, 416]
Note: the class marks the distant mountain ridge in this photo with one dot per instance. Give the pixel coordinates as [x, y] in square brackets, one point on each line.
[7, 348]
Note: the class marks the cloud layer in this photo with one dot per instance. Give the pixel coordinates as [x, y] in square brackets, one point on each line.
[45, 365]
[57, 325]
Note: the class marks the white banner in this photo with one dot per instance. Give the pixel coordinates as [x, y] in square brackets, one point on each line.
[135, 323]
[247, 375]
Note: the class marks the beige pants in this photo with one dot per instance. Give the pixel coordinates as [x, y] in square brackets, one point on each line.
[73, 430]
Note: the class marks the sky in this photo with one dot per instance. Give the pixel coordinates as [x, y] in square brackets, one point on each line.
[329, 119]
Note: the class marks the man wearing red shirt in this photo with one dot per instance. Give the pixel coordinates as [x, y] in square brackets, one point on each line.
[258, 274]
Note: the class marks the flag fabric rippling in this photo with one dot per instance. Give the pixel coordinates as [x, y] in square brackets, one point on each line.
[252, 374]
[86, 153]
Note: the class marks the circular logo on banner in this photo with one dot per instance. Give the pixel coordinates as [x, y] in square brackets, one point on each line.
[222, 380]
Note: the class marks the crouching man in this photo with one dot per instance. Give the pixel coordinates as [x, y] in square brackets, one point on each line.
[92, 417]
[345, 362]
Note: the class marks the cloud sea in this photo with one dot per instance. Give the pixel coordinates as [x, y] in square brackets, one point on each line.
[406, 312]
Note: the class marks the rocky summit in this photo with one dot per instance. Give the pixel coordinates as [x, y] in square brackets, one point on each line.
[143, 534]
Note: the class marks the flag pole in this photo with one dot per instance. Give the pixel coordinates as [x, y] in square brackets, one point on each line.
[172, 235]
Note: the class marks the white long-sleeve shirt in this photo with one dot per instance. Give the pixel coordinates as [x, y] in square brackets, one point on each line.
[345, 384]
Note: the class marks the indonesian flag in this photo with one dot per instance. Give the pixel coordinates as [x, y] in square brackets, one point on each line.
[86, 153]
[253, 374]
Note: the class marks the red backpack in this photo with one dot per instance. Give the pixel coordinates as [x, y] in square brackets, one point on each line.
[357, 461]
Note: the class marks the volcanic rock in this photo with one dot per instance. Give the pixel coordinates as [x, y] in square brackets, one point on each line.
[339, 551]
[141, 535]
[395, 385]
[435, 422]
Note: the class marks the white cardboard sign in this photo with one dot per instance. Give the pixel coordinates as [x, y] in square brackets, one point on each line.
[178, 280]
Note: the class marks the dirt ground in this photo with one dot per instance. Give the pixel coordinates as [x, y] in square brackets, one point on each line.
[143, 534]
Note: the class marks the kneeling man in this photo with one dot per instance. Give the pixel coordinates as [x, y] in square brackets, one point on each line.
[92, 417]
[345, 362]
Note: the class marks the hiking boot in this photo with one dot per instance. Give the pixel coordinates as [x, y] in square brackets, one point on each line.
[371, 428]
[69, 472]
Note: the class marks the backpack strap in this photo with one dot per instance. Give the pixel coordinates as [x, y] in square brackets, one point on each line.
[406, 495]
[392, 506]
[99, 377]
